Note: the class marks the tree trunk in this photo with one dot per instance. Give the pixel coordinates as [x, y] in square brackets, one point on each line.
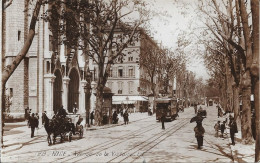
[257, 121]
[255, 72]
[8, 71]
[246, 109]
[236, 101]
[99, 106]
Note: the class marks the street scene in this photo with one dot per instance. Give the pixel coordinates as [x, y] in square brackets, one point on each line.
[142, 140]
[130, 81]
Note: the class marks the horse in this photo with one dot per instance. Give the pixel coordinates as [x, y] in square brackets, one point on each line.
[57, 126]
[48, 127]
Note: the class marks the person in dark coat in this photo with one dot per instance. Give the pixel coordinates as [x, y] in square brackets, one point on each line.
[91, 117]
[222, 128]
[33, 122]
[126, 120]
[219, 112]
[233, 129]
[62, 112]
[199, 134]
[115, 118]
[163, 120]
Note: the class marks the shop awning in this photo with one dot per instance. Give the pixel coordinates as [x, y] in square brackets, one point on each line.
[128, 99]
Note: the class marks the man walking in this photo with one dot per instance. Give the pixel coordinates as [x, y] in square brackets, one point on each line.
[233, 129]
[163, 119]
[91, 117]
[199, 134]
[126, 117]
[33, 122]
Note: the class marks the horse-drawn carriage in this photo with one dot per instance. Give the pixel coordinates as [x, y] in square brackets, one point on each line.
[63, 127]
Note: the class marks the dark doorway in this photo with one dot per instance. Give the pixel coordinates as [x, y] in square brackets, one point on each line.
[73, 96]
[57, 91]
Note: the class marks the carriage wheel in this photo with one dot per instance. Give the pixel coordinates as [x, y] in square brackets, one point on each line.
[54, 139]
[61, 137]
[81, 131]
[70, 136]
[49, 140]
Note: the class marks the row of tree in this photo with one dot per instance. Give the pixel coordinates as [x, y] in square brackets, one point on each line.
[101, 30]
[231, 40]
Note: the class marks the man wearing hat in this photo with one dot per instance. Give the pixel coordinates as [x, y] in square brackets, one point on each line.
[233, 129]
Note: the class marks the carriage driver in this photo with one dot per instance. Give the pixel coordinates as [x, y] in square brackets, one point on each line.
[62, 114]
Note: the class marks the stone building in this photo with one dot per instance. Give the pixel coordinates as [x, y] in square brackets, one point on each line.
[47, 78]
[128, 80]
[52, 76]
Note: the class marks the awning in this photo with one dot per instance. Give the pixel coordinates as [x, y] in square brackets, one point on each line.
[127, 99]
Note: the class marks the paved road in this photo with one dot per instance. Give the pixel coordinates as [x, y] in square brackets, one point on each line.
[142, 140]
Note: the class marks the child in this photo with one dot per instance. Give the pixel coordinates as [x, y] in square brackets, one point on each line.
[222, 128]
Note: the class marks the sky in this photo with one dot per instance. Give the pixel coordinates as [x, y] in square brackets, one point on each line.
[180, 17]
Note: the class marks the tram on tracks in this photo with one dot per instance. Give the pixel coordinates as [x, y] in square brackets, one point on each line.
[168, 107]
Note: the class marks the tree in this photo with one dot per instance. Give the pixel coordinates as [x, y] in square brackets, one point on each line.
[9, 69]
[102, 30]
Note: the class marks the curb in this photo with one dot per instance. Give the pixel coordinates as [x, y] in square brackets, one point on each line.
[113, 125]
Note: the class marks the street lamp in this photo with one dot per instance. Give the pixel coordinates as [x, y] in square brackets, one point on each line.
[127, 98]
[88, 91]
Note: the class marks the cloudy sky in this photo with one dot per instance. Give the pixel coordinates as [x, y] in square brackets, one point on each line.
[180, 17]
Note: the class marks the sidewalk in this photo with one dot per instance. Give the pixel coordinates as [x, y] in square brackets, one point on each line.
[239, 151]
[133, 117]
[21, 135]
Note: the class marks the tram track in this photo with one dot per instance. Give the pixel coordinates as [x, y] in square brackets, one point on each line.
[122, 140]
[147, 145]
[110, 143]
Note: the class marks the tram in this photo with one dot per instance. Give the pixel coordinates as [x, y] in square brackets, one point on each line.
[167, 106]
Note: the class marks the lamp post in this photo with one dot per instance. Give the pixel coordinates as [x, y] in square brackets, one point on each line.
[87, 90]
[127, 98]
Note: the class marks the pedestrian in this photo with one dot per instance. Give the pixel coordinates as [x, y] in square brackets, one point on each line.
[115, 118]
[222, 128]
[233, 129]
[27, 113]
[219, 112]
[44, 115]
[199, 134]
[91, 117]
[163, 119]
[195, 108]
[217, 127]
[33, 121]
[126, 120]
[37, 117]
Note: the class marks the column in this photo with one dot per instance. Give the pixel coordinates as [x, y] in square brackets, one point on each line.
[65, 92]
[82, 107]
[48, 96]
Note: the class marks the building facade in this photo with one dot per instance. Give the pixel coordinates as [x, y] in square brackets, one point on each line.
[46, 79]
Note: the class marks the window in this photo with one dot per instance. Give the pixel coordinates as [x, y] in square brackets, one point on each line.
[120, 71]
[110, 85]
[110, 73]
[130, 87]
[120, 87]
[11, 92]
[19, 35]
[50, 43]
[131, 72]
[130, 58]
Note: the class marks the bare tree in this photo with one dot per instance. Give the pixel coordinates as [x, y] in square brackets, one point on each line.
[9, 69]
[102, 30]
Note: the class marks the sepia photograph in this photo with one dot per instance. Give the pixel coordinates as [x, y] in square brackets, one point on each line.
[138, 81]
